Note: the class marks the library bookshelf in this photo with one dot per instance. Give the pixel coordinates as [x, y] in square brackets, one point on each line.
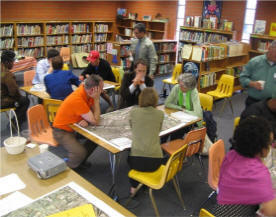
[195, 35]
[259, 44]
[36, 38]
[165, 50]
[155, 29]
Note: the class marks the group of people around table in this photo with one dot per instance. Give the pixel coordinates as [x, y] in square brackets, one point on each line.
[244, 179]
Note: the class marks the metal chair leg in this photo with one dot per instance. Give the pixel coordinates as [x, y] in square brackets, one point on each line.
[133, 195]
[230, 103]
[223, 105]
[153, 203]
[177, 189]
[201, 164]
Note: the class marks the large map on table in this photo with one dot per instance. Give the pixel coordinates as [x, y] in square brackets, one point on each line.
[116, 124]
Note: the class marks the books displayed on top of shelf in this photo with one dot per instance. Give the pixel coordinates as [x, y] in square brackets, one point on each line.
[208, 80]
[164, 58]
[35, 52]
[210, 23]
[259, 27]
[235, 71]
[263, 46]
[85, 48]
[30, 41]
[228, 26]
[81, 39]
[101, 28]
[128, 32]
[57, 29]
[100, 37]
[100, 47]
[7, 43]
[80, 28]
[55, 40]
[23, 29]
[6, 30]
[165, 69]
[189, 21]
[124, 51]
[272, 31]
[197, 21]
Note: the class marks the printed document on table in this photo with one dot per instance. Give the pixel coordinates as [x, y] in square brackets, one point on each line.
[121, 143]
[184, 117]
[38, 87]
[10, 183]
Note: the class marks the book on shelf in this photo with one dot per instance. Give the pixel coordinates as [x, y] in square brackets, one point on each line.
[272, 31]
[228, 26]
[263, 46]
[191, 36]
[30, 41]
[189, 21]
[214, 22]
[100, 47]
[165, 68]
[80, 28]
[166, 47]
[208, 80]
[7, 30]
[235, 49]
[7, 43]
[100, 37]
[259, 27]
[128, 32]
[85, 48]
[186, 51]
[81, 38]
[55, 40]
[103, 55]
[35, 52]
[197, 53]
[234, 71]
[101, 28]
[57, 28]
[197, 21]
[28, 29]
[164, 58]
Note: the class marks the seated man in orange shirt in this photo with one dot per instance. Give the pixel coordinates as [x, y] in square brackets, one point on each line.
[82, 107]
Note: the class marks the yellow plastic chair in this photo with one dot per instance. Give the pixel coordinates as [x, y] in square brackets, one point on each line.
[173, 80]
[224, 90]
[205, 213]
[236, 122]
[116, 72]
[51, 106]
[157, 179]
[206, 101]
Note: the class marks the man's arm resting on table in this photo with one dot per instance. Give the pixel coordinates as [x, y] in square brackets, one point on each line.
[93, 117]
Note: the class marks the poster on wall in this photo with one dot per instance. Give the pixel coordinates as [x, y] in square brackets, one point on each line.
[212, 9]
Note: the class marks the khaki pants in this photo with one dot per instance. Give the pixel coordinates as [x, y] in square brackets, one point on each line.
[77, 152]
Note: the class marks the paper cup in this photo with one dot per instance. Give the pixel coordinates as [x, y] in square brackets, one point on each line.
[43, 148]
[262, 83]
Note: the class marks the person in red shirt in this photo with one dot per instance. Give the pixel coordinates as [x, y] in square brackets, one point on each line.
[81, 107]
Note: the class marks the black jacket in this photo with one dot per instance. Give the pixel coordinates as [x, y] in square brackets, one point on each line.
[126, 98]
[262, 110]
[104, 70]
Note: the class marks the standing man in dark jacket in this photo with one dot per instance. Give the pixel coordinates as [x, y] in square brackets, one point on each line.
[101, 67]
[133, 83]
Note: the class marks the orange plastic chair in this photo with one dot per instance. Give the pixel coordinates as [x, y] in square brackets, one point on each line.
[224, 90]
[65, 53]
[216, 156]
[28, 77]
[195, 141]
[40, 129]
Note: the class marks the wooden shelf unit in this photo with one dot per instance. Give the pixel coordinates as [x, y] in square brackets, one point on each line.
[78, 35]
[155, 29]
[194, 35]
[162, 47]
[7, 35]
[259, 44]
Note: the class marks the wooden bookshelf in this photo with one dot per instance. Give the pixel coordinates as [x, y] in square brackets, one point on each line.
[7, 36]
[259, 44]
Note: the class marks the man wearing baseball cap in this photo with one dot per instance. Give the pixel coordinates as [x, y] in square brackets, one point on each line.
[101, 67]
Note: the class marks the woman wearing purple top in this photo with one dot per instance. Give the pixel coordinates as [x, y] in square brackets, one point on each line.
[244, 179]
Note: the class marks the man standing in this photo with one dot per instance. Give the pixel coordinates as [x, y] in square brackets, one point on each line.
[82, 107]
[101, 67]
[143, 48]
[133, 83]
[259, 76]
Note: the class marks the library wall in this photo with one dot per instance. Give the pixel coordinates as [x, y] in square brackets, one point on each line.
[168, 9]
[266, 11]
[231, 10]
[58, 10]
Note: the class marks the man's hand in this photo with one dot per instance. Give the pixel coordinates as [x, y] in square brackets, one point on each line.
[96, 92]
[83, 123]
[137, 80]
[255, 84]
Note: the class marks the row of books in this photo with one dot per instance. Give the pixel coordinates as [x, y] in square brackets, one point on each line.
[35, 52]
[128, 32]
[208, 80]
[57, 29]
[30, 41]
[165, 69]
[55, 40]
[28, 29]
[7, 43]
[100, 47]
[164, 58]
[100, 37]
[101, 28]
[86, 48]
[234, 71]
[103, 55]
[81, 38]
[6, 30]
[167, 47]
[79, 28]
[124, 51]
[263, 46]
[202, 37]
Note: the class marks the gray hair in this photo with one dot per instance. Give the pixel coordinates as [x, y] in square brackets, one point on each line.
[188, 80]
[92, 81]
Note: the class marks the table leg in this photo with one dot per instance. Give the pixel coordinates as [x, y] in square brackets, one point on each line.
[114, 164]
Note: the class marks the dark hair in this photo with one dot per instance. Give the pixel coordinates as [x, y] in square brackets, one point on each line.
[139, 61]
[92, 81]
[52, 53]
[140, 27]
[251, 136]
[57, 62]
[7, 56]
[148, 97]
